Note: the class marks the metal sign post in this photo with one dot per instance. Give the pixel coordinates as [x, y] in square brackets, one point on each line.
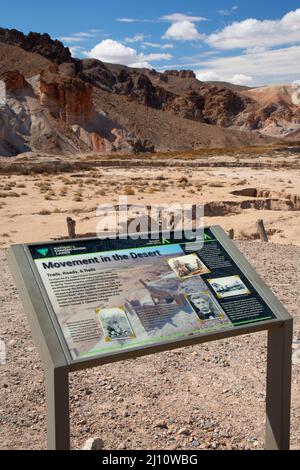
[71, 336]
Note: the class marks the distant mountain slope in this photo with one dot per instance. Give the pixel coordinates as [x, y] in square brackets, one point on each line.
[15, 58]
[39, 43]
[61, 105]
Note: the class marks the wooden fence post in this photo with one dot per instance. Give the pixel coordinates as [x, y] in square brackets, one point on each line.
[231, 234]
[71, 227]
[261, 230]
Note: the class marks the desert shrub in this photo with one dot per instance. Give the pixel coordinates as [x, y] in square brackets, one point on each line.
[241, 182]
[43, 187]
[44, 212]
[216, 184]
[63, 191]
[129, 191]
[150, 190]
[183, 180]
[101, 193]
[9, 194]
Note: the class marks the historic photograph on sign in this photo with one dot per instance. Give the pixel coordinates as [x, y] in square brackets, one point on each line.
[228, 286]
[205, 306]
[115, 324]
[187, 266]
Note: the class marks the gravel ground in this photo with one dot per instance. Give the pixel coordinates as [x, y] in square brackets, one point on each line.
[210, 396]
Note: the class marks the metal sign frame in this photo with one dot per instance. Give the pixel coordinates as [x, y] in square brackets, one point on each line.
[58, 363]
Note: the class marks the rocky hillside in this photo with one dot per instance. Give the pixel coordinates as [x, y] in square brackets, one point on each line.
[60, 105]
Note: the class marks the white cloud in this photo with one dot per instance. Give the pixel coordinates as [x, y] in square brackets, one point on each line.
[126, 20]
[115, 52]
[154, 57]
[211, 76]
[270, 66]
[241, 79]
[136, 20]
[75, 50]
[228, 12]
[81, 36]
[208, 76]
[71, 39]
[182, 31]
[157, 45]
[251, 32]
[179, 17]
[136, 38]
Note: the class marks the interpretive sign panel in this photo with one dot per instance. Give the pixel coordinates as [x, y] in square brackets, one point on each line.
[96, 301]
[115, 294]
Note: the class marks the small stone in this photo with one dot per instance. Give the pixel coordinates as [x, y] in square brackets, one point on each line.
[195, 443]
[183, 432]
[82, 422]
[161, 424]
[122, 446]
[93, 443]
[296, 357]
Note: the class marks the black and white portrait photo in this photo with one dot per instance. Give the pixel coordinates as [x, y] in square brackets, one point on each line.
[205, 306]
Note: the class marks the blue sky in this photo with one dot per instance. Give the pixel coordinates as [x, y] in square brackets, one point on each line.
[249, 43]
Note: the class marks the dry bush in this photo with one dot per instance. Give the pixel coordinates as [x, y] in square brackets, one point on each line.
[184, 180]
[150, 190]
[77, 196]
[9, 194]
[44, 212]
[63, 191]
[241, 182]
[129, 191]
[216, 184]
[101, 193]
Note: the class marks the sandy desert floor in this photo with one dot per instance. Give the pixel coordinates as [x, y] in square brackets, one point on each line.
[236, 192]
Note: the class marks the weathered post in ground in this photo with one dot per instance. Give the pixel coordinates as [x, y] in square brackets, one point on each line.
[261, 230]
[71, 227]
[231, 234]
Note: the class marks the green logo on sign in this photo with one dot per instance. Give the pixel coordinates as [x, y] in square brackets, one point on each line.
[165, 241]
[43, 251]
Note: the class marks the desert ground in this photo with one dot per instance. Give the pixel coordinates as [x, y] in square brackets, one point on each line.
[203, 397]
[235, 190]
